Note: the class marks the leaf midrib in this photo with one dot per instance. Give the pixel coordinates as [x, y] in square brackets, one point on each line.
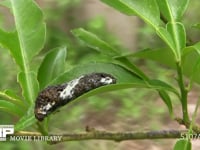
[25, 62]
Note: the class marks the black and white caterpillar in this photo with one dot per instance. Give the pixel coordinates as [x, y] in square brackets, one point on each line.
[56, 96]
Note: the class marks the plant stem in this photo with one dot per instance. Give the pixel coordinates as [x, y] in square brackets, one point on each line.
[107, 135]
[183, 91]
[42, 127]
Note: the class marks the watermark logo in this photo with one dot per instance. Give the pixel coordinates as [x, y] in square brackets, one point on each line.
[5, 130]
[190, 136]
[7, 134]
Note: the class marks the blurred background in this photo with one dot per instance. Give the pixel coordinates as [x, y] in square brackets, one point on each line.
[127, 110]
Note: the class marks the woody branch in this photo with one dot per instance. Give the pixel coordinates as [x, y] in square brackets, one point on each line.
[114, 136]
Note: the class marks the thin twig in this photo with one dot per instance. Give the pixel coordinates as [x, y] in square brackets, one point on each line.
[106, 135]
[122, 136]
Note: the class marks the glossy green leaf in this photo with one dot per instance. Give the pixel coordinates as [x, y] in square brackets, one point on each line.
[125, 78]
[173, 9]
[194, 49]
[122, 75]
[98, 44]
[124, 62]
[160, 85]
[174, 35]
[52, 65]
[191, 66]
[31, 89]
[120, 6]
[26, 42]
[145, 9]
[188, 50]
[197, 47]
[30, 30]
[163, 56]
[167, 38]
[183, 145]
[91, 40]
[10, 107]
[25, 121]
[196, 67]
[149, 12]
[11, 41]
[12, 97]
[191, 58]
[177, 31]
[29, 37]
[167, 100]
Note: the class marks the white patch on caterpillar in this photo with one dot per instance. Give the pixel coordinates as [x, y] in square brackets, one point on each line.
[106, 80]
[69, 89]
[45, 108]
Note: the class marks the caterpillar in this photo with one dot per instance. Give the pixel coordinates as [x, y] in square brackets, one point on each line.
[53, 97]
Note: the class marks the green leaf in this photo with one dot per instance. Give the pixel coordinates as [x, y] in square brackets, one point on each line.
[188, 50]
[11, 96]
[124, 62]
[52, 65]
[191, 66]
[125, 78]
[145, 9]
[121, 74]
[11, 41]
[120, 6]
[183, 145]
[191, 58]
[163, 56]
[114, 87]
[197, 47]
[167, 38]
[91, 40]
[26, 42]
[160, 85]
[177, 31]
[173, 9]
[98, 44]
[167, 100]
[31, 89]
[191, 49]
[196, 67]
[27, 120]
[30, 30]
[148, 10]
[174, 36]
[29, 37]
[10, 108]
